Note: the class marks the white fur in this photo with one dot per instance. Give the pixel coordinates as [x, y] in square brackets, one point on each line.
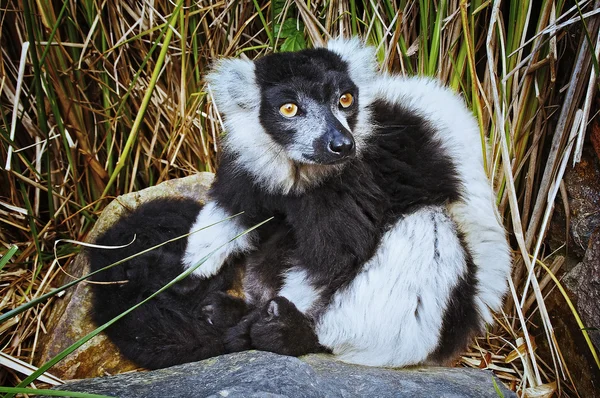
[373, 321]
[298, 289]
[361, 59]
[202, 243]
[476, 214]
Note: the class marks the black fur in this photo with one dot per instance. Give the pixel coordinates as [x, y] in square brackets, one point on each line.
[166, 330]
[277, 327]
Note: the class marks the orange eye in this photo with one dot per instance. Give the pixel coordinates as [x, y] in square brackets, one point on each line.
[346, 100]
[288, 110]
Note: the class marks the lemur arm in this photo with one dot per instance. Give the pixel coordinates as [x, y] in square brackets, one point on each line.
[218, 238]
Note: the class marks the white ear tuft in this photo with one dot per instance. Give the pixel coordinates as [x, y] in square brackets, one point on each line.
[360, 58]
[232, 82]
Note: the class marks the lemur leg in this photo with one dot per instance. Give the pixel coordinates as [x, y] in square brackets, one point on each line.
[278, 327]
[215, 238]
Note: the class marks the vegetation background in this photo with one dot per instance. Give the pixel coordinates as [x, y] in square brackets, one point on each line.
[103, 97]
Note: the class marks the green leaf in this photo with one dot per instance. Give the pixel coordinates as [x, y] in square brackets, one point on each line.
[295, 42]
[289, 28]
[277, 7]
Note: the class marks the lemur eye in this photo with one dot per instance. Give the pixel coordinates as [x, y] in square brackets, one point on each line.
[288, 110]
[346, 100]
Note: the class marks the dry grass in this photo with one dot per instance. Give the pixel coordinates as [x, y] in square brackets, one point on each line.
[109, 99]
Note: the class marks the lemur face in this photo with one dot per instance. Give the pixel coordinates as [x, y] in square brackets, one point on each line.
[308, 105]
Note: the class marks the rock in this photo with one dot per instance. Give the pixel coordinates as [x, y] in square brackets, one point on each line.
[70, 321]
[583, 190]
[574, 349]
[584, 283]
[581, 271]
[262, 374]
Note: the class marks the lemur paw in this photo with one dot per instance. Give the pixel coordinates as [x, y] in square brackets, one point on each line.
[222, 310]
[282, 329]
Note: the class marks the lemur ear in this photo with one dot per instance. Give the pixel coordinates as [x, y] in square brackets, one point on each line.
[361, 59]
[233, 86]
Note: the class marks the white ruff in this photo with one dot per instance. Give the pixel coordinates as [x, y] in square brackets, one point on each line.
[202, 243]
[391, 314]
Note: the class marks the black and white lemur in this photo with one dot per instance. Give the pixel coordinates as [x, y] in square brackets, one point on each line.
[385, 248]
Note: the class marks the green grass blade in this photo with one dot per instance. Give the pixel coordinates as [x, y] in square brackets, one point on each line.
[435, 39]
[54, 31]
[40, 99]
[6, 257]
[50, 393]
[591, 43]
[145, 101]
[497, 388]
[353, 17]
[265, 24]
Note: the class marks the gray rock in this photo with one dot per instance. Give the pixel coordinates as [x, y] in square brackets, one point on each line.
[263, 374]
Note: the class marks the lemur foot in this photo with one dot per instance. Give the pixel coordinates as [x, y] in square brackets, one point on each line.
[281, 328]
[278, 327]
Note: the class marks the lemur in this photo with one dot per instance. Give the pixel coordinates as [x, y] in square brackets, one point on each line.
[385, 247]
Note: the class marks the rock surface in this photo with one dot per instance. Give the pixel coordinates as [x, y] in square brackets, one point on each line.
[578, 224]
[70, 321]
[262, 374]
[582, 184]
[584, 283]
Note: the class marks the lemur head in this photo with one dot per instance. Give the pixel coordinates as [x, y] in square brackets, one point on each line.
[308, 105]
[292, 117]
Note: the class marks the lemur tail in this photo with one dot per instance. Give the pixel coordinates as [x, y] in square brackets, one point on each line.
[174, 327]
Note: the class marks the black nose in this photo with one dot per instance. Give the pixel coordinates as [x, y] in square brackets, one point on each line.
[341, 145]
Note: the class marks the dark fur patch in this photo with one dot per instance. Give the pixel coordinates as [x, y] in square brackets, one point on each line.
[407, 161]
[173, 327]
[264, 268]
[276, 326]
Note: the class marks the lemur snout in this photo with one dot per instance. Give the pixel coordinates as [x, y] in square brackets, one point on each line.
[341, 145]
